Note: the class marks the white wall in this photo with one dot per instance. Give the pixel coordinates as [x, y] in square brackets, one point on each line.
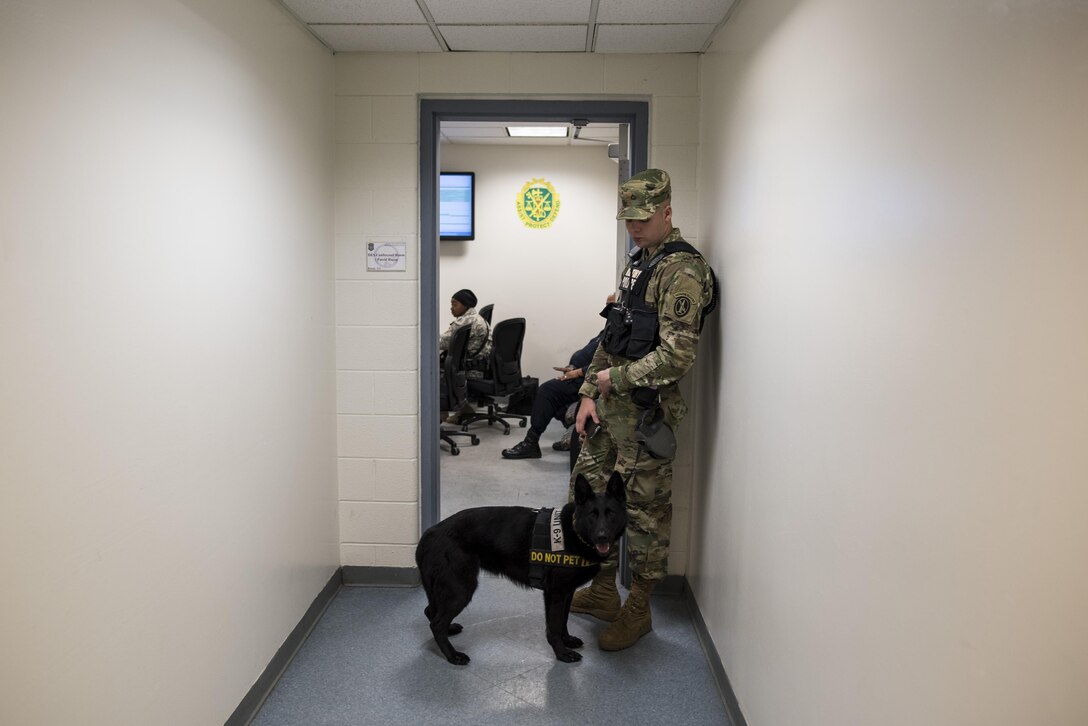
[377, 313]
[167, 482]
[557, 278]
[891, 490]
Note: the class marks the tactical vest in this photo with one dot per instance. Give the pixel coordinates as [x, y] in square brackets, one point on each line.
[631, 330]
[549, 548]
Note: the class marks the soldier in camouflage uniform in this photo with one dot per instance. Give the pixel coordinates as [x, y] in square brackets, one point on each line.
[649, 346]
[463, 308]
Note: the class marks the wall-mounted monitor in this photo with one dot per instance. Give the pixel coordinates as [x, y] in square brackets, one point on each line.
[457, 205]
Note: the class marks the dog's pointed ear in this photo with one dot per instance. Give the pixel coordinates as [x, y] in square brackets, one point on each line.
[583, 492]
[616, 487]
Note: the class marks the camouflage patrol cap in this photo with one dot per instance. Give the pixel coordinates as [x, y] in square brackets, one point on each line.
[642, 194]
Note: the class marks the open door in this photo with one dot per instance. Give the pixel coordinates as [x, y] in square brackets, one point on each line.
[631, 154]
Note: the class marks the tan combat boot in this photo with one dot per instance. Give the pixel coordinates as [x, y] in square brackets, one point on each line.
[634, 619]
[601, 599]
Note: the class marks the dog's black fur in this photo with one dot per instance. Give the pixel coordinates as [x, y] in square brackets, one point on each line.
[498, 539]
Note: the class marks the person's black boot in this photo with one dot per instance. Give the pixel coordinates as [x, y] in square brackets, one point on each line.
[527, 449]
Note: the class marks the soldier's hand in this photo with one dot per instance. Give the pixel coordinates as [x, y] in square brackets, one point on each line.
[587, 412]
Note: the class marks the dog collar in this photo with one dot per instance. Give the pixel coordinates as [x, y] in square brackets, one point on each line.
[580, 538]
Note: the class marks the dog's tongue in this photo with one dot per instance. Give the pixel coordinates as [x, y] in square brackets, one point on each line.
[602, 548]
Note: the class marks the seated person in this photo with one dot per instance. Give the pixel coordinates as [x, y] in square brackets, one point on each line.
[463, 308]
[552, 400]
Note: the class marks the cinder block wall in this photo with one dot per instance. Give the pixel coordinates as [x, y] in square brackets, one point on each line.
[377, 196]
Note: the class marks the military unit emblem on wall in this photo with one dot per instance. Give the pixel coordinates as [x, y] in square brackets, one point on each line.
[538, 204]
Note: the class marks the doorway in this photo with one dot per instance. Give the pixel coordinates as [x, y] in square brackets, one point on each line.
[634, 114]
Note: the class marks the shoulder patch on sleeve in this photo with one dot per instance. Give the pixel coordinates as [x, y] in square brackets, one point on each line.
[682, 306]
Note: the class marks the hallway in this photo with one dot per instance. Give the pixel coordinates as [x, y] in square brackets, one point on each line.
[371, 660]
[212, 403]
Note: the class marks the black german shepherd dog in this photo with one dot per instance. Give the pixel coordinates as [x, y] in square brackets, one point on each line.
[500, 540]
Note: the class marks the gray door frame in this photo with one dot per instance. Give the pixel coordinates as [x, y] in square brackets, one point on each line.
[432, 111]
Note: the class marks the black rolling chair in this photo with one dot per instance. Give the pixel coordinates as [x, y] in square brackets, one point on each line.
[504, 376]
[485, 312]
[452, 388]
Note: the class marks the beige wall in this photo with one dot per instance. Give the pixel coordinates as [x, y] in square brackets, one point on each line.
[378, 313]
[556, 278]
[167, 481]
[891, 491]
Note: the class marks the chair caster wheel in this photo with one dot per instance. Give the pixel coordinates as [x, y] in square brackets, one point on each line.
[455, 450]
[522, 424]
[475, 440]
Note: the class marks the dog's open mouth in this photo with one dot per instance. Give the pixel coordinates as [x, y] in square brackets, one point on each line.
[603, 548]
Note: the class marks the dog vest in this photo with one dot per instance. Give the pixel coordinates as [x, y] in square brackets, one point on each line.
[549, 547]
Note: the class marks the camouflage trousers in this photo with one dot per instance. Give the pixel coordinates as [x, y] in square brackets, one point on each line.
[649, 485]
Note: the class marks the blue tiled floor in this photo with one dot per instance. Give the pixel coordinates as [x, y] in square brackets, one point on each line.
[371, 660]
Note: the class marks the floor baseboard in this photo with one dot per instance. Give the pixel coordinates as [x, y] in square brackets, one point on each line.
[358, 576]
[264, 684]
[717, 668]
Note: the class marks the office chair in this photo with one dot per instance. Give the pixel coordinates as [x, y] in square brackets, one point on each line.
[504, 375]
[452, 388]
[485, 312]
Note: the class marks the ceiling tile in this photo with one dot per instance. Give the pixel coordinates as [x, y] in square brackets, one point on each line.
[662, 11]
[356, 11]
[378, 38]
[528, 38]
[652, 38]
[509, 11]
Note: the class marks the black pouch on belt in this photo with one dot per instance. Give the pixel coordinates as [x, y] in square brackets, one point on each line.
[645, 397]
[655, 435]
[652, 432]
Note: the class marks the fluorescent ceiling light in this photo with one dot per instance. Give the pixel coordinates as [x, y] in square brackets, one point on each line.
[551, 132]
